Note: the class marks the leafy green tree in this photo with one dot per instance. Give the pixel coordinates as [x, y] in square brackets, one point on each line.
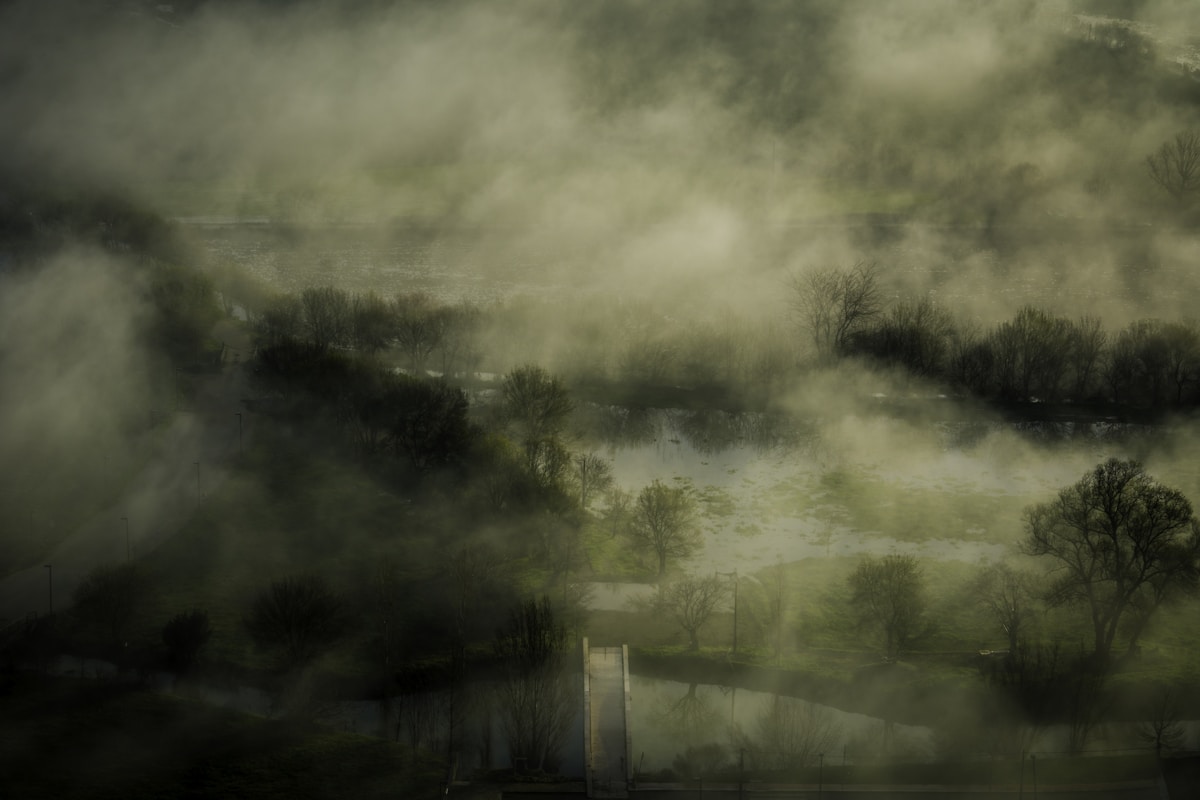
[663, 521]
[889, 594]
[1119, 542]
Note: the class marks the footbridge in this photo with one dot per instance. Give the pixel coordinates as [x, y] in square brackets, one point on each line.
[607, 746]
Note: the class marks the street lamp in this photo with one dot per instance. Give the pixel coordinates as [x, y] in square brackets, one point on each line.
[50, 585]
[126, 521]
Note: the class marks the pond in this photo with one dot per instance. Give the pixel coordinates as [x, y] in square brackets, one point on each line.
[668, 717]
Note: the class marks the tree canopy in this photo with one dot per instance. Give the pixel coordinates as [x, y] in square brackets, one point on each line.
[1120, 541]
[662, 523]
[889, 593]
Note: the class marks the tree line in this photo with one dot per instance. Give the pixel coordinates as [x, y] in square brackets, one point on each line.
[1035, 356]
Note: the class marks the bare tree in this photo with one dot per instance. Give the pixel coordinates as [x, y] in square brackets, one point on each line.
[537, 695]
[1115, 537]
[299, 617]
[1163, 730]
[1175, 166]
[1088, 341]
[791, 732]
[692, 601]
[835, 304]
[915, 334]
[663, 519]
[1182, 345]
[593, 474]
[325, 312]
[1031, 352]
[1006, 596]
[371, 322]
[281, 320]
[889, 593]
[417, 329]
[617, 513]
[536, 405]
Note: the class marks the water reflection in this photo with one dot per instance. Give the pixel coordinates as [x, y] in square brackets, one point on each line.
[671, 720]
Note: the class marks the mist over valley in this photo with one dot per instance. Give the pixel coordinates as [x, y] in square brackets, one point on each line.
[620, 397]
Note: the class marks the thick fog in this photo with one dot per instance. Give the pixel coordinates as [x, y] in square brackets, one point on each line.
[665, 154]
[624, 192]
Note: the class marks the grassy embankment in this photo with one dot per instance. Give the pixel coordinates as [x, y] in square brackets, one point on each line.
[66, 738]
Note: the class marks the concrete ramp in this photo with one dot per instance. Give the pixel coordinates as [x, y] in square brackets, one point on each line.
[606, 749]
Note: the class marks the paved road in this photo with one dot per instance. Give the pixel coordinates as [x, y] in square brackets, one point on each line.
[157, 501]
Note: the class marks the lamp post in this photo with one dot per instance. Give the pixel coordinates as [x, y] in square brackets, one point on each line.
[50, 585]
[1033, 764]
[126, 521]
[820, 775]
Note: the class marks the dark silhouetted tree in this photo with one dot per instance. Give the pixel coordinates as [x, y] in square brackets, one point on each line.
[281, 320]
[427, 421]
[1006, 596]
[537, 696]
[185, 636]
[298, 617]
[325, 313]
[1162, 729]
[691, 601]
[915, 335]
[1175, 165]
[835, 304]
[372, 324]
[536, 406]
[1088, 344]
[417, 328]
[1031, 353]
[110, 597]
[1119, 542]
